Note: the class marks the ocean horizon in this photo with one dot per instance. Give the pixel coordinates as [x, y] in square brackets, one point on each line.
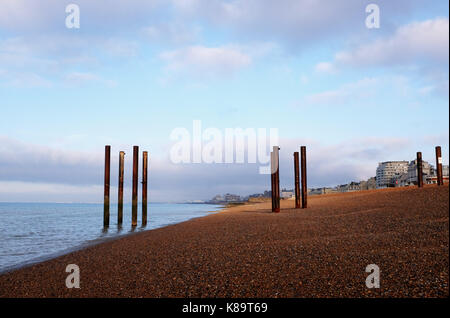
[31, 232]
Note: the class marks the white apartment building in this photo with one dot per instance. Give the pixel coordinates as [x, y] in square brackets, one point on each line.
[427, 170]
[445, 170]
[387, 170]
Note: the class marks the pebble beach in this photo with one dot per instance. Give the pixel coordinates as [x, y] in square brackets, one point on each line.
[248, 251]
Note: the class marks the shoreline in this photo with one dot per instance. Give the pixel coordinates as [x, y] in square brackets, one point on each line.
[247, 251]
[92, 243]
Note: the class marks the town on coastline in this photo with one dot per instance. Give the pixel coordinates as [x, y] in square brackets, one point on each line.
[389, 174]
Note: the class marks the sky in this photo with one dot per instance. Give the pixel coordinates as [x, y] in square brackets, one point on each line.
[136, 70]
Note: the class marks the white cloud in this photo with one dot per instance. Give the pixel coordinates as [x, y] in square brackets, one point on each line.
[172, 33]
[120, 47]
[426, 90]
[304, 79]
[23, 14]
[325, 67]
[294, 22]
[419, 48]
[355, 159]
[207, 61]
[42, 60]
[23, 79]
[350, 91]
[426, 41]
[80, 78]
[36, 16]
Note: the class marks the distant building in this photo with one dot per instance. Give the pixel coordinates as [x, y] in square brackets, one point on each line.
[433, 178]
[370, 184]
[315, 191]
[427, 170]
[226, 198]
[218, 198]
[389, 170]
[410, 177]
[349, 187]
[357, 186]
[402, 181]
[287, 194]
[321, 191]
[445, 170]
[266, 194]
[232, 198]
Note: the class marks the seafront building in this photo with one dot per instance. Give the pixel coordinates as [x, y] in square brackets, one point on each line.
[388, 170]
[370, 184]
[388, 174]
[427, 170]
[287, 194]
[227, 198]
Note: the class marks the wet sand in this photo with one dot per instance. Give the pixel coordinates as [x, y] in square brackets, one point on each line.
[247, 251]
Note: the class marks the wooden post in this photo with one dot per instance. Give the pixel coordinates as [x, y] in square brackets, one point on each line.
[120, 191]
[303, 172]
[106, 186]
[440, 179]
[276, 153]
[419, 170]
[297, 181]
[144, 187]
[134, 199]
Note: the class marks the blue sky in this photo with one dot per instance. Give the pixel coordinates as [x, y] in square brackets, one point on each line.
[136, 70]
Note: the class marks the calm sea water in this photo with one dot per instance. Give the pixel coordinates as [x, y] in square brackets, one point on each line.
[31, 232]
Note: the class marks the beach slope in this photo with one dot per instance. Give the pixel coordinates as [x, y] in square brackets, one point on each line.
[247, 251]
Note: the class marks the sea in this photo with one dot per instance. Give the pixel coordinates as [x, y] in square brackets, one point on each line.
[34, 232]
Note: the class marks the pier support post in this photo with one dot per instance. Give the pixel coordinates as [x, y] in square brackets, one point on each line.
[106, 186]
[144, 187]
[440, 179]
[134, 199]
[303, 172]
[276, 171]
[419, 170]
[120, 191]
[297, 180]
[272, 179]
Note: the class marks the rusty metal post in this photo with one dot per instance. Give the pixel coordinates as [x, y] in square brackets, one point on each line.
[440, 179]
[297, 181]
[419, 170]
[272, 180]
[106, 186]
[134, 199]
[276, 153]
[303, 172]
[120, 191]
[144, 187]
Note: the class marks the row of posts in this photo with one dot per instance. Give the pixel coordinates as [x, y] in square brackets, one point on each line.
[440, 177]
[134, 200]
[301, 193]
